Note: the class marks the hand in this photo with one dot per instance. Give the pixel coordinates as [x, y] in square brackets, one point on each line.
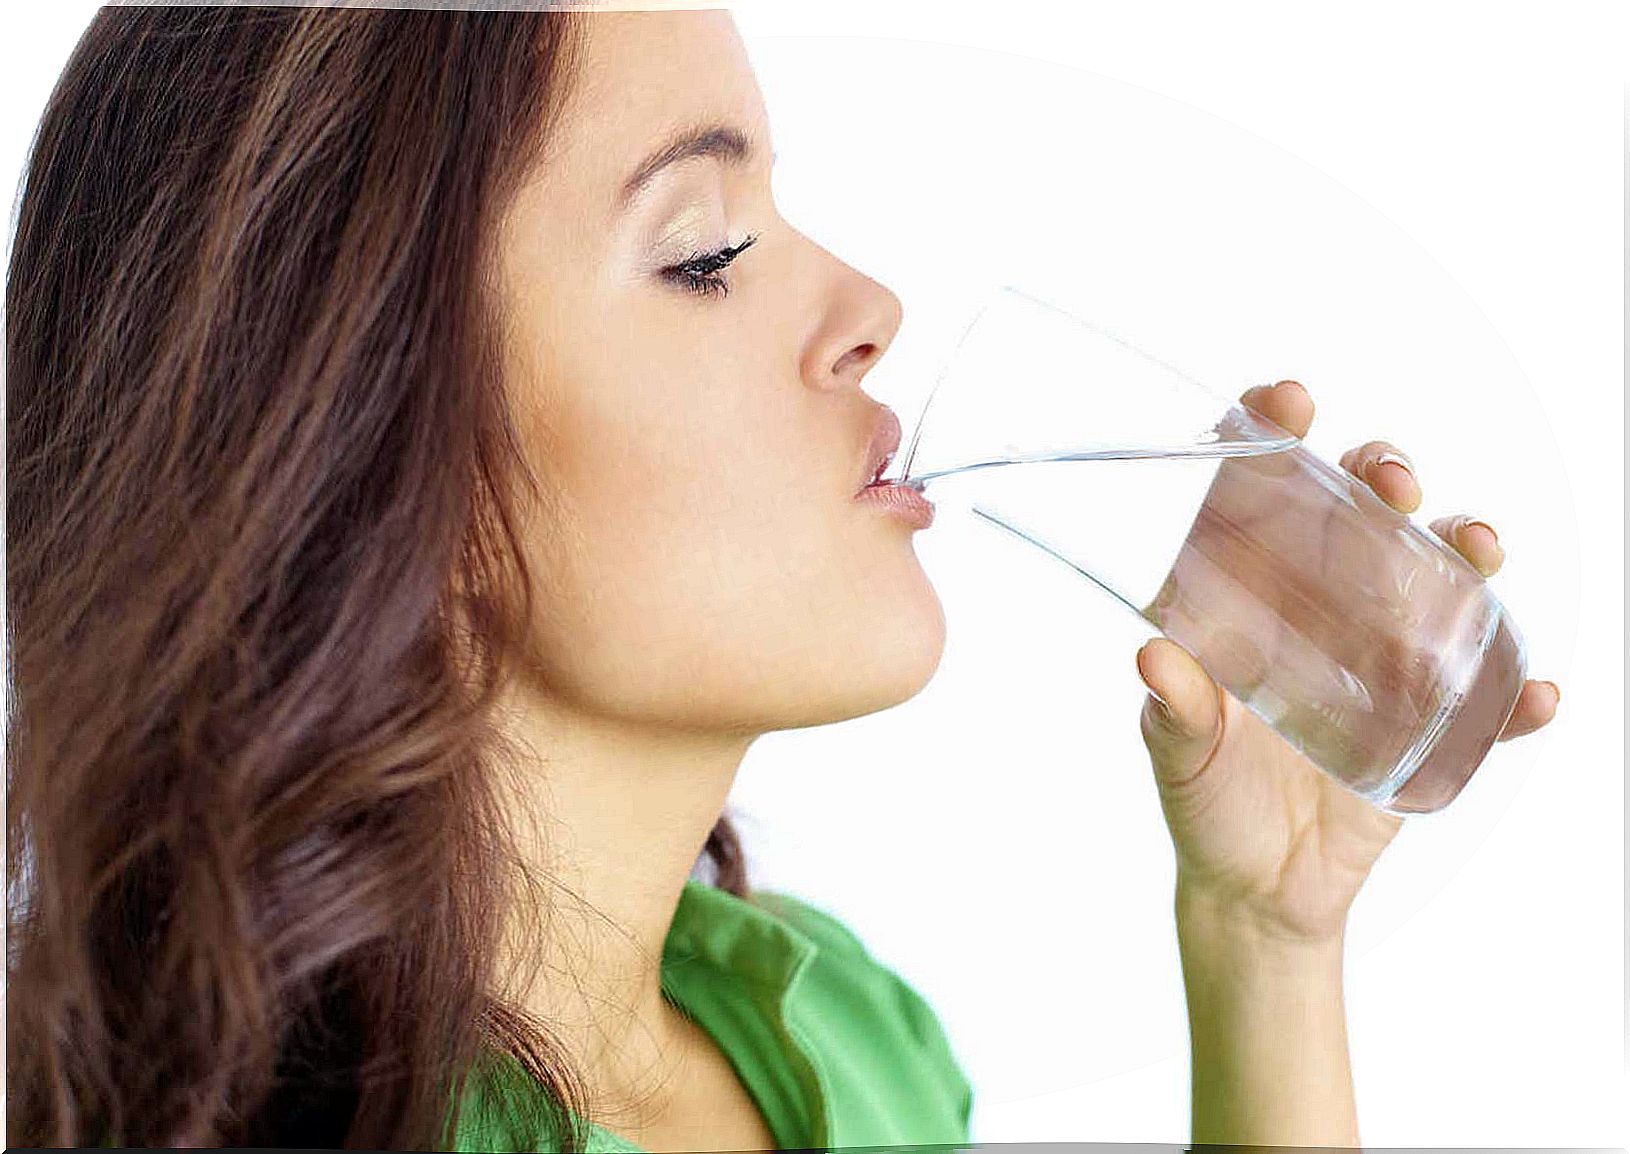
[1260, 830]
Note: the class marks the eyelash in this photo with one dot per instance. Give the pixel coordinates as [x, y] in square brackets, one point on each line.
[699, 272]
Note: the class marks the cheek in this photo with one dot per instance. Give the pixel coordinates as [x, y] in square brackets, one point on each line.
[702, 565]
[737, 606]
[676, 529]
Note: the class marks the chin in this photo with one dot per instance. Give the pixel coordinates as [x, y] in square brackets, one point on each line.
[916, 646]
[887, 660]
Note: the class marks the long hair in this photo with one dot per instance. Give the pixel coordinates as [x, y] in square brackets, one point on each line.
[264, 583]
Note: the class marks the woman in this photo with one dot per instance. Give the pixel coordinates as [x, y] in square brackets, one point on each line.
[433, 461]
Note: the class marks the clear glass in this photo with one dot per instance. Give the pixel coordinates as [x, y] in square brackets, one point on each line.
[1364, 641]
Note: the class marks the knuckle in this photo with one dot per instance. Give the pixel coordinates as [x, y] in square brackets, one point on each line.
[1361, 458]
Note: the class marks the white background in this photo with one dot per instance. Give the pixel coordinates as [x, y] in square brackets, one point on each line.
[1416, 210]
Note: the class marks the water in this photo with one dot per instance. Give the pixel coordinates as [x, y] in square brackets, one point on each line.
[1363, 641]
[1207, 447]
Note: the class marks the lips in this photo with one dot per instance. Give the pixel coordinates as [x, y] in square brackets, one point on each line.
[885, 443]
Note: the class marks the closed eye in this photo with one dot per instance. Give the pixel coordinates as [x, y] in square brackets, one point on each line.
[700, 272]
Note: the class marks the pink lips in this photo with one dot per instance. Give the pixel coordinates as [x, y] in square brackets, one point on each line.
[900, 500]
[885, 443]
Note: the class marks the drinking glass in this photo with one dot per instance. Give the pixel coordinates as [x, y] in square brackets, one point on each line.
[1364, 641]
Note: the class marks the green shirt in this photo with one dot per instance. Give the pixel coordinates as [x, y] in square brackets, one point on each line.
[834, 1047]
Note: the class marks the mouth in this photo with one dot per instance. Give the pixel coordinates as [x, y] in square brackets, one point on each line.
[899, 500]
[880, 453]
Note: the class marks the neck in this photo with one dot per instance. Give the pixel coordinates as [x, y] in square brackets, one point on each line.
[610, 816]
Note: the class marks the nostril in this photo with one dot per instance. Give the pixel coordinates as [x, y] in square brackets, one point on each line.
[859, 355]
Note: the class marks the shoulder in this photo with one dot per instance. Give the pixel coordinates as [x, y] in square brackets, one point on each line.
[863, 1004]
[839, 950]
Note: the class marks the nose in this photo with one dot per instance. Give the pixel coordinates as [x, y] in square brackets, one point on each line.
[858, 325]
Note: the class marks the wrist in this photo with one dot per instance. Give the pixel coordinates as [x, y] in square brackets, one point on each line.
[1254, 928]
[1267, 1025]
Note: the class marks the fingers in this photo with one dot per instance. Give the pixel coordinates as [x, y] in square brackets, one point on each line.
[1474, 539]
[1285, 403]
[1391, 474]
[1182, 719]
[1386, 470]
[1536, 705]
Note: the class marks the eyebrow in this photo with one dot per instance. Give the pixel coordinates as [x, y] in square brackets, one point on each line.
[725, 141]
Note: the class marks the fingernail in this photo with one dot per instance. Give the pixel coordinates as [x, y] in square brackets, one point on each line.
[1556, 689]
[1161, 704]
[1396, 459]
[1468, 522]
[1499, 550]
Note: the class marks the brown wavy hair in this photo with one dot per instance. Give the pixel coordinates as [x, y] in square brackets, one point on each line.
[264, 585]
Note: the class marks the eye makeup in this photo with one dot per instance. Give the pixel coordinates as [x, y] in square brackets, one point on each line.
[700, 272]
[684, 245]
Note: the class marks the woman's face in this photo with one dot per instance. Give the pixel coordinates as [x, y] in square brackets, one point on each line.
[702, 562]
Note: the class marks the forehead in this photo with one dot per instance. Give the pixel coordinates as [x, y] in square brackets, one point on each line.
[641, 75]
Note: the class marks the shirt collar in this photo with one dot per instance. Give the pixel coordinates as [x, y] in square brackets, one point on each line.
[739, 935]
[711, 928]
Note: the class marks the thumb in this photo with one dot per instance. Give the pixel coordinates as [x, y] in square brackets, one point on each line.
[1182, 717]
